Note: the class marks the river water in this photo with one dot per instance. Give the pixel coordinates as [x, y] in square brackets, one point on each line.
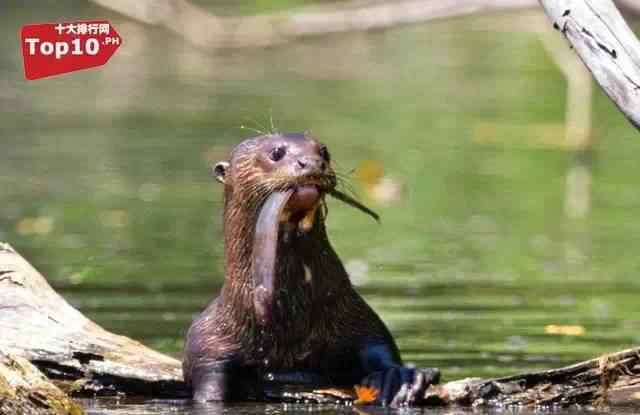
[453, 131]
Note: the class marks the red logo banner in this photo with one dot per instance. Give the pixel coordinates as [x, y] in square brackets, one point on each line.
[56, 48]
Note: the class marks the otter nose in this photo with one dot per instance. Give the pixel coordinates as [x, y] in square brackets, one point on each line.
[311, 164]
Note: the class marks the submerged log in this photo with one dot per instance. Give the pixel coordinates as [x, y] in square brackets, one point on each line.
[84, 359]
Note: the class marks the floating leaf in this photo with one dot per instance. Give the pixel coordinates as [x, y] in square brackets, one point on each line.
[365, 394]
[35, 226]
[564, 330]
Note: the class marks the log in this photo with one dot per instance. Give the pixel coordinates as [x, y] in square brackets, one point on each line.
[39, 325]
[84, 359]
[25, 390]
[612, 379]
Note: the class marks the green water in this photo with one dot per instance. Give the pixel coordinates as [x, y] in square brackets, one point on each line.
[105, 189]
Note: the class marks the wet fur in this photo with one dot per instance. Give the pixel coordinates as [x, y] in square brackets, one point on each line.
[319, 326]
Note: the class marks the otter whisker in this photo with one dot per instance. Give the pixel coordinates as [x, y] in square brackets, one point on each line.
[354, 203]
[348, 173]
[325, 208]
[346, 176]
[274, 130]
[261, 128]
[345, 181]
[255, 130]
[347, 187]
[338, 165]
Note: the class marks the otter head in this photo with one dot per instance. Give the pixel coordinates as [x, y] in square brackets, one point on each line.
[278, 180]
[295, 164]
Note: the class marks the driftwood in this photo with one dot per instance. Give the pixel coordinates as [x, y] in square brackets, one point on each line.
[83, 359]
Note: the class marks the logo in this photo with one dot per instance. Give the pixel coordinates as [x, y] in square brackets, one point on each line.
[57, 48]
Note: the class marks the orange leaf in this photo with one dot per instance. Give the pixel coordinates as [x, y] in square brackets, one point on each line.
[365, 394]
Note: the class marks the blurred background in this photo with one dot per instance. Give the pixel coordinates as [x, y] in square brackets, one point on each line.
[506, 181]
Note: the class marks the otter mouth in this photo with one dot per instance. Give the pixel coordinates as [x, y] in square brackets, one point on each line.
[296, 206]
[308, 194]
[305, 197]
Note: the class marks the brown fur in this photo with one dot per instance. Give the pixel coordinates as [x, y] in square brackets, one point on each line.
[318, 325]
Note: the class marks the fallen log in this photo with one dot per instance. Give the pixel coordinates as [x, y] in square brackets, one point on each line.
[83, 359]
[25, 390]
[39, 325]
[612, 379]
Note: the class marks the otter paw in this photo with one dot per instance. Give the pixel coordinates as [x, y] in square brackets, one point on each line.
[401, 386]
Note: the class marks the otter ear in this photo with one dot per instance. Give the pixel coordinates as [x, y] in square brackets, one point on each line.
[219, 171]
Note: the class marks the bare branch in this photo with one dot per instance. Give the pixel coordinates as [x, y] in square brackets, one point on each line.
[211, 32]
[606, 45]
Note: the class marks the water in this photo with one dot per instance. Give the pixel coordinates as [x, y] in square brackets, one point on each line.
[452, 131]
[180, 408]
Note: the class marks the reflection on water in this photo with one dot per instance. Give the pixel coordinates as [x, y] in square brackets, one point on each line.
[111, 407]
[453, 132]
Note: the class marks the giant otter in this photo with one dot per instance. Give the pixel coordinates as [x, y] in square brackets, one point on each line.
[287, 311]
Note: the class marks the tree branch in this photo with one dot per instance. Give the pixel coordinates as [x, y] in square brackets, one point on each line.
[211, 32]
[606, 45]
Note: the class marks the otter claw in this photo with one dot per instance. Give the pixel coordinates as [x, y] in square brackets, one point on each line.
[417, 389]
[402, 386]
[402, 397]
[389, 380]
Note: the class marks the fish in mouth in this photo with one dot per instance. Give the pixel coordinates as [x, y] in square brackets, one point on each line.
[297, 206]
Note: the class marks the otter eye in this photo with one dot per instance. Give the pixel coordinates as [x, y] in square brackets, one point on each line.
[277, 153]
[324, 153]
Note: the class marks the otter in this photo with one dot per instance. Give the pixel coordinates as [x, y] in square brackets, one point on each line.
[287, 311]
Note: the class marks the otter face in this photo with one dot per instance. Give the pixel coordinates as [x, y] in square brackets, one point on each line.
[275, 163]
[278, 162]
[293, 156]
